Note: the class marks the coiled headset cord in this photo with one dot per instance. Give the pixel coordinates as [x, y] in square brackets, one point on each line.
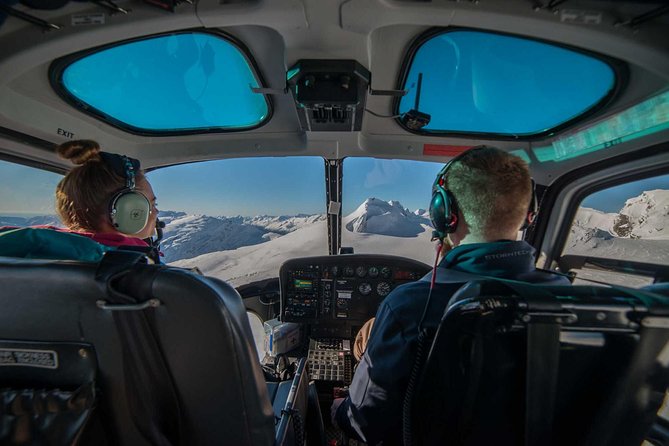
[424, 337]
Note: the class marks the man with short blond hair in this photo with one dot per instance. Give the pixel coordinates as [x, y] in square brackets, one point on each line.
[493, 190]
[480, 201]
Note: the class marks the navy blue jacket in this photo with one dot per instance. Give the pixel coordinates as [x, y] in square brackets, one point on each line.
[373, 410]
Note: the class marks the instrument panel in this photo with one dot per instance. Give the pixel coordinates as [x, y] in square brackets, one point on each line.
[350, 287]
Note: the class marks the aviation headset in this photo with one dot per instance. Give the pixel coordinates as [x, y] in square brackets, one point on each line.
[129, 209]
[444, 206]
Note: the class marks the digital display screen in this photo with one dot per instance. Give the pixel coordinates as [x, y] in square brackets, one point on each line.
[303, 284]
[403, 275]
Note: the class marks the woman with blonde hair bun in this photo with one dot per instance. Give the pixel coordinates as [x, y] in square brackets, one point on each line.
[106, 196]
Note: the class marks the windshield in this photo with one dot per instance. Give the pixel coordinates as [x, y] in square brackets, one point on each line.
[240, 219]
[27, 196]
[385, 207]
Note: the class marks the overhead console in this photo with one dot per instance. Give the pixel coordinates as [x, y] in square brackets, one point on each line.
[330, 95]
[337, 294]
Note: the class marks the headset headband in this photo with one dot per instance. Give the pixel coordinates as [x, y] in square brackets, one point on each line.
[444, 170]
[123, 166]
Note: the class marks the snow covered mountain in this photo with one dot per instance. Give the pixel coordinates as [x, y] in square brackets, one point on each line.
[376, 226]
[187, 236]
[49, 220]
[243, 249]
[376, 216]
[309, 238]
[645, 216]
[639, 231]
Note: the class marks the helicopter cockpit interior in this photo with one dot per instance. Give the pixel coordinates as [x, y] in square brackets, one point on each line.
[292, 146]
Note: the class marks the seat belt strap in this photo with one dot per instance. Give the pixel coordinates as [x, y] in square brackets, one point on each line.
[543, 355]
[150, 390]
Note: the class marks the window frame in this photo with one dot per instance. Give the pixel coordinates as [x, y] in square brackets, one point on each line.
[552, 194]
[620, 80]
[58, 66]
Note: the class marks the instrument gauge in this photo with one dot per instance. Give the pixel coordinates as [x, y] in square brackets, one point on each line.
[385, 272]
[365, 288]
[349, 271]
[383, 289]
[334, 270]
[373, 271]
[361, 271]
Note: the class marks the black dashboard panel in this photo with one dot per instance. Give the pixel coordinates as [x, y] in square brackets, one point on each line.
[341, 290]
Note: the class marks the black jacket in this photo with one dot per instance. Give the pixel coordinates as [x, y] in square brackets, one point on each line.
[373, 410]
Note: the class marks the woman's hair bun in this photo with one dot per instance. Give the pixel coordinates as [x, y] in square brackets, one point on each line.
[79, 151]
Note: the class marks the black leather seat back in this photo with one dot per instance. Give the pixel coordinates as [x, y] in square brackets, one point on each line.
[200, 326]
[609, 381]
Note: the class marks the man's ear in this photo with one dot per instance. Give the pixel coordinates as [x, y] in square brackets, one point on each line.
[461, 231]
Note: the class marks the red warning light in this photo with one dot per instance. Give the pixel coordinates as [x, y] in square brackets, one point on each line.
[444, 149]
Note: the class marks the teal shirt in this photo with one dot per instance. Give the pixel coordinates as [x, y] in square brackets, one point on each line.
[42, 243]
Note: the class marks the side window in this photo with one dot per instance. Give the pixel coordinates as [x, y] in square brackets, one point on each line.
[27, 196]
[626, 223]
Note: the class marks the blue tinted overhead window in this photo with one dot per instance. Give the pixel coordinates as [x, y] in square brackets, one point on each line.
[477, 82]
[171, 83]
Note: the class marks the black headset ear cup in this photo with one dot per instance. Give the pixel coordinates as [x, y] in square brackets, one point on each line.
[443, 212]
[532, 209]
[130, 212]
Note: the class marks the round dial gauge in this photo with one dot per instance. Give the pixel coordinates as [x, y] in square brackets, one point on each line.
[361, 271]
[365, 288]
[385, 272]
[334, 271]
[348, 271]
[373, 271]
[383, 288]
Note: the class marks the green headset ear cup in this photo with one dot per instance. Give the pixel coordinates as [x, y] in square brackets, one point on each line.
[130, 212]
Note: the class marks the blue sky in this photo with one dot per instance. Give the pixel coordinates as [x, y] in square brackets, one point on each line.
[170, 82]
[613, 199]
[476, 81]
[273, 186]
[285, 186]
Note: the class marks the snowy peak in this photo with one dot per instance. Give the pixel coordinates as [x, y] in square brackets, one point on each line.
[48, 220]
[587, 218]
[610, 235]
[642, 217]
[645, 216]
[192, 235]
[168, 216]
[375, 216]
[283, 224]
[187, 236]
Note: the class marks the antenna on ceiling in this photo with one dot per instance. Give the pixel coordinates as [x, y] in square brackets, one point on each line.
[415, 119]
[418, 88]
